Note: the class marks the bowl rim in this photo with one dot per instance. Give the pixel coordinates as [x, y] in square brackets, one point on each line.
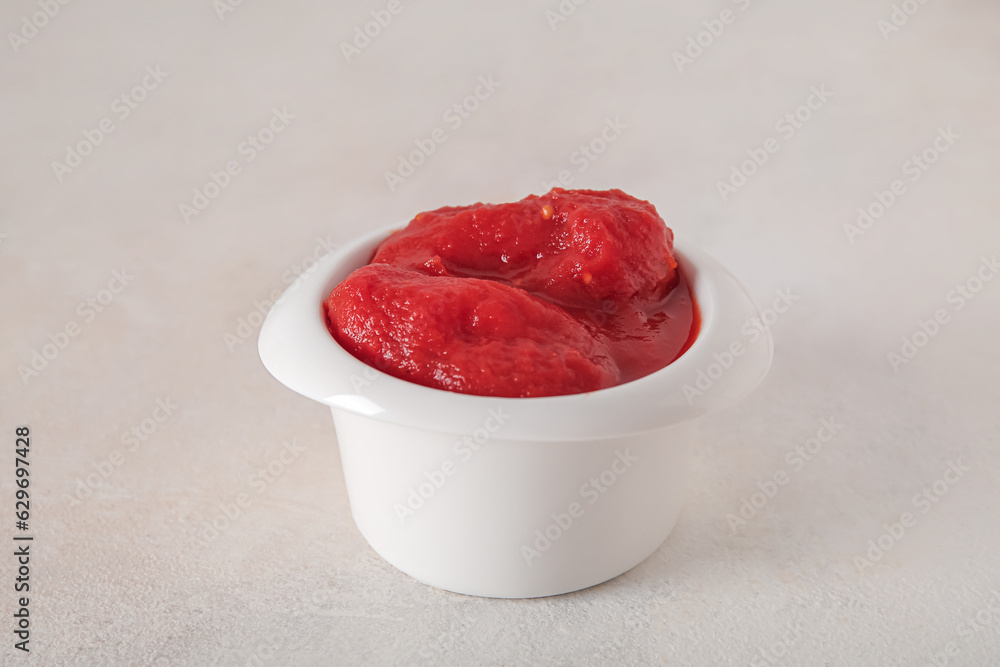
[298, 350]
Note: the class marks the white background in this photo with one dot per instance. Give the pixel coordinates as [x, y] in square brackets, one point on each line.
[119, 572]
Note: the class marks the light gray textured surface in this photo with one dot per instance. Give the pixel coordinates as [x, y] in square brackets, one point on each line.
[123, 573]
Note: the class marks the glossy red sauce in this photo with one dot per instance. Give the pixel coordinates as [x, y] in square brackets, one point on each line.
[569, 292]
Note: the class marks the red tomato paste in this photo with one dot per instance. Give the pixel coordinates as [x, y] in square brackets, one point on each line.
[569, 292]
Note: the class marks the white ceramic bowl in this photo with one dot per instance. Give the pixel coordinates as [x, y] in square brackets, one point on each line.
[515, 497]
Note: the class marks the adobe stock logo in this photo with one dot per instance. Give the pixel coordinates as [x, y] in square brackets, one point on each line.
[959, 297]
[758, 156]
[593, 490]
[926, 499]
[899, 17]
[698, 43]
[230, 512]
[134, 437]
[753, 328]
[223, 7]
[122, 107]
[363, 35]
[796, 459]
[588, 153]
[30, 27]
[249, 149]
[980, 620]
[455, 115]
[463, 449]
[914, 167]
[88, 310]
[562, 12]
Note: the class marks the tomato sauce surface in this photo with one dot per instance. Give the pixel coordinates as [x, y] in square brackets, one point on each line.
[564, 293]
